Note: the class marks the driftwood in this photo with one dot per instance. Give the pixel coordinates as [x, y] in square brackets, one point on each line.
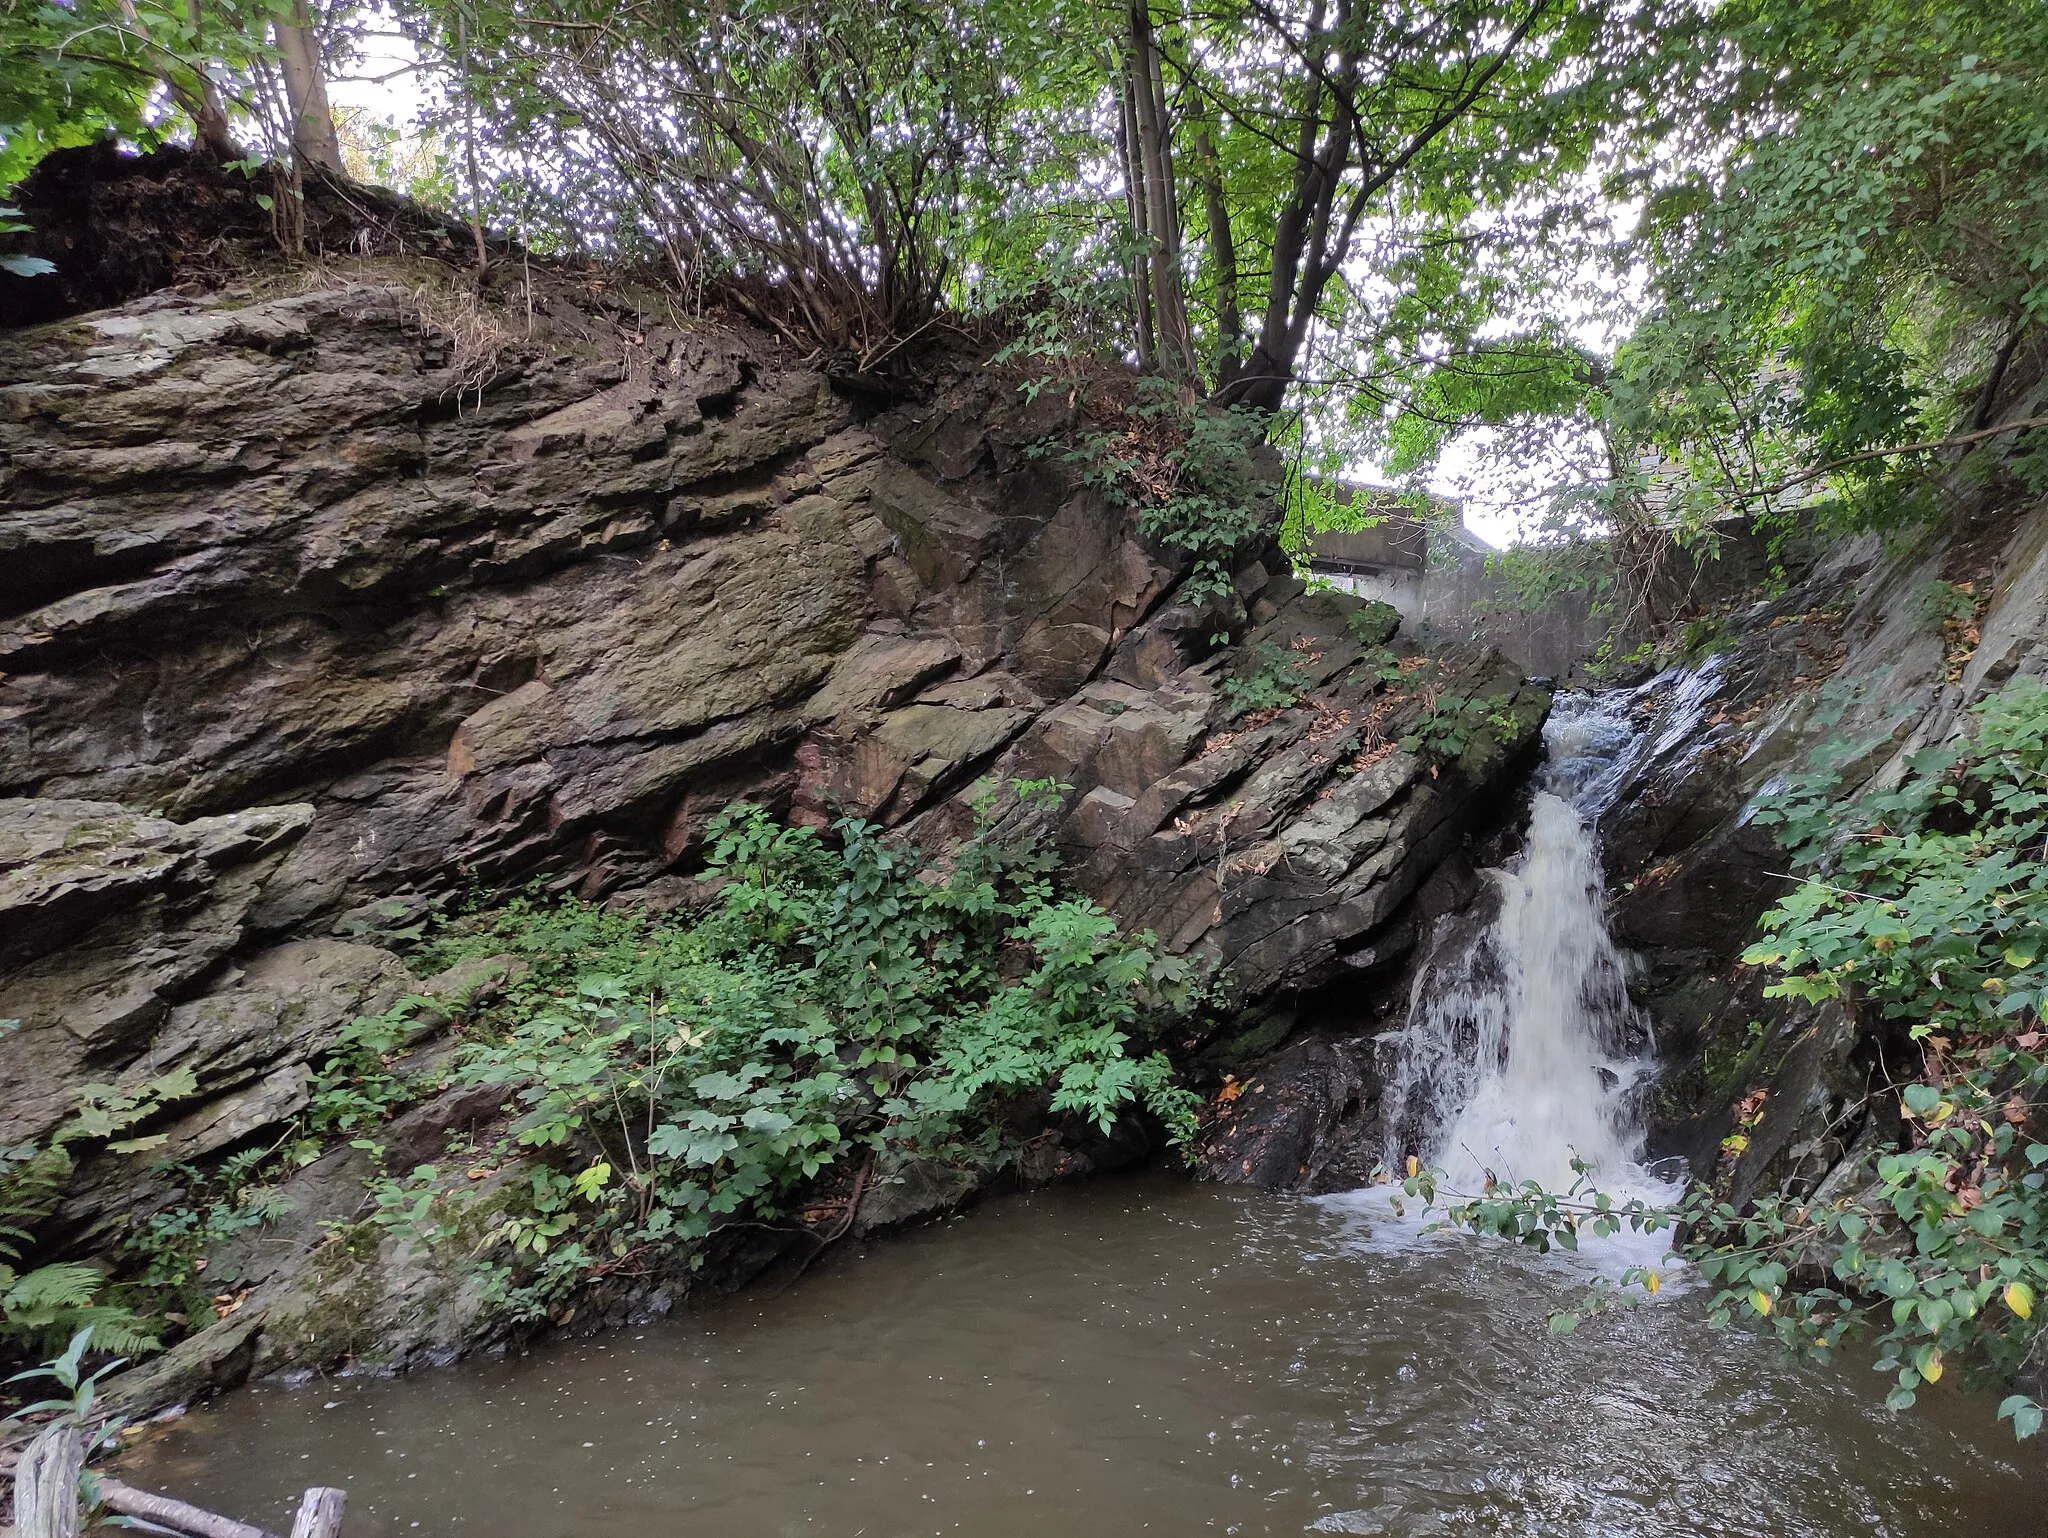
[127, 1501]
[46, 1499]
[320, 1513]
[46, 1484]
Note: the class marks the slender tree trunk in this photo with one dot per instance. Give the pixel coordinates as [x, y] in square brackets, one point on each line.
[1134, 202]
[476, 181]
[209, 118]
[197, 97]
[314, 141]
[1987, 397]
[1155, 148]
[1223, 257]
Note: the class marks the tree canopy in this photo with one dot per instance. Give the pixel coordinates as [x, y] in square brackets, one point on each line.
[1816, 233]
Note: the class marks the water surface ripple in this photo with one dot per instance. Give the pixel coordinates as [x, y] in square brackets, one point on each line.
[1125, 1357]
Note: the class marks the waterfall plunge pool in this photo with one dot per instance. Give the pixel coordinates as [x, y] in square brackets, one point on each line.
[1134, 1355]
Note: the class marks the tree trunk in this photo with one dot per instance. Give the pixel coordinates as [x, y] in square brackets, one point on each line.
[1155, 150]
[196, 97]
[1134, 203]
[314, 141]
[209, 118]
[1987, 397]
[1223, 257]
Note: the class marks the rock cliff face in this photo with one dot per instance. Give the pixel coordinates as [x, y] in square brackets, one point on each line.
[1853, 654]
[328, 600]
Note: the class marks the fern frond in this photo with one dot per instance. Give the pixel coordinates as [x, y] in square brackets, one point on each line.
[37, 1296]
[32, 1182]
[117, 1331]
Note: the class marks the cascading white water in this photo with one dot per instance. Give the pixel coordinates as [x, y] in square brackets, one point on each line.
[1521, 1049]
[1554, 1088]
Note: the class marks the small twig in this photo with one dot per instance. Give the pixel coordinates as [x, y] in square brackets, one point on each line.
[1906, 448]
[1841, 891]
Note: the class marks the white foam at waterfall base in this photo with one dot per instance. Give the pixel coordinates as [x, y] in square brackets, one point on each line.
[1523, 1057]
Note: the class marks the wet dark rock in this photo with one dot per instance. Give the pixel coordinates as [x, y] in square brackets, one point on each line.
[1289, 1121]
[903, 1189]
[421, 1134]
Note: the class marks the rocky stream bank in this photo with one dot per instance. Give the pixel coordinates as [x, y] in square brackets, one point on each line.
[337, 596]
[337, 593]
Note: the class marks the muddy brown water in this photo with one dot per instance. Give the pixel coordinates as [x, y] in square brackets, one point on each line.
[1130, 1356]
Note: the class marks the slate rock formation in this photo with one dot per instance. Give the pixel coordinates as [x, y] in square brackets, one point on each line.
[331, 599]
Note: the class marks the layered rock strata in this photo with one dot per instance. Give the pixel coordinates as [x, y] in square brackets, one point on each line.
[326, 606]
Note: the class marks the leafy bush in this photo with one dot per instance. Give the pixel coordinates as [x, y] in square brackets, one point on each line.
[1928, 907]
[676, 1074]
[1448, 721]
[1274, 679]
[353, 1087]
[174, 1247]
[1373, 623]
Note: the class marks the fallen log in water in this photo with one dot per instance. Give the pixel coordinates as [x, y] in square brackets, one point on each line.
[124, 1500]
[46, 1499]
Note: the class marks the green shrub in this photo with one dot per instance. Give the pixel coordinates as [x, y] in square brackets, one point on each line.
[1270, 677]
[674, 1074]
[1373, 623]
[1448, 722]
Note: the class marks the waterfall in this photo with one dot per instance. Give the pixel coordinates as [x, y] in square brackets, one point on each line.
[1522, 1051]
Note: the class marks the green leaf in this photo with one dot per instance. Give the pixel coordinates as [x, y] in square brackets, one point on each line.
[1921, 1099]
[2024, 1414]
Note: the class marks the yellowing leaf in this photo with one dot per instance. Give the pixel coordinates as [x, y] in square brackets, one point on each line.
[1931, 1368]
[1651, 1283]
[2019, 1297]
[1760, 1301]
[1413, 1166]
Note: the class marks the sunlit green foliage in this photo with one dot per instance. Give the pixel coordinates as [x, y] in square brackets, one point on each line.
[73, 71]
[1844, 236]
[1852, 231]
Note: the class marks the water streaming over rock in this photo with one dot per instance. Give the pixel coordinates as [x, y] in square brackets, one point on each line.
[1522, 1052]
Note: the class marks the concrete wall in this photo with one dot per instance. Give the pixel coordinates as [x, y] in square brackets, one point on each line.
[1448, 593]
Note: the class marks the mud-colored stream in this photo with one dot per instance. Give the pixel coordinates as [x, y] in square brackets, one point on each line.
[1127, 1357]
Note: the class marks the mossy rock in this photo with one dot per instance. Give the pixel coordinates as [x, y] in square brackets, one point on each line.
[1251, 1040]
[1514, 720]
[1374, 622]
